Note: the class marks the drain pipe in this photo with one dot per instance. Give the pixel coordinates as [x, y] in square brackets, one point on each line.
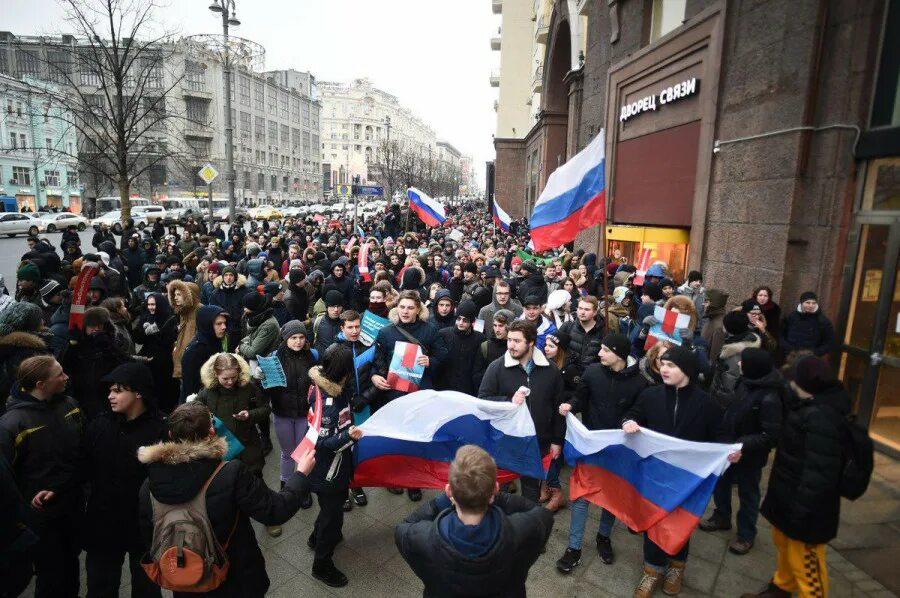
[717, 145]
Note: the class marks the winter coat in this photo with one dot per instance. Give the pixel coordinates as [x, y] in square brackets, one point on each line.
[533, 284]
[334, 447]
[504, 377]
[187, 318]
[122, 333]
[15, 348]
[650, 375]
[134, 259]
[443, 322]
[770, 309]
[713, 332]
[524, 530]
[325, 331]
[291, 400]
[263, 336]
[204, 345]
[100, 237]
[59, 331]
[175, 473]
[811, 331]
[423, 331]
[86, 362]
[545, 327]
[803, 498]
[345, 285]
[728, 370]
[584, 346]
[687, 413]
[603, 395]
[297, 301]
[362, 391]
[698, 296]
[224, 403]
[619, 319]
[492, 349]
[464, 366]
[486, 314]
[42, 442]
[156, 345]
[115, 476]
[230, 299]
[142, 291]
[754, 417]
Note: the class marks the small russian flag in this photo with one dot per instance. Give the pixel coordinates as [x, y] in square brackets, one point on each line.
[430, 211]
[500, 217]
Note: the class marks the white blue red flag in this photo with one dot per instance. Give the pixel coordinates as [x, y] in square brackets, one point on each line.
[429, 210]
[574, 198]
[501, 218]
[410, 442]
[668, 324]
[652, 482]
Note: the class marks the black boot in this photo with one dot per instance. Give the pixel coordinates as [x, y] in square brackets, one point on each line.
[327, 573]
[359, 497]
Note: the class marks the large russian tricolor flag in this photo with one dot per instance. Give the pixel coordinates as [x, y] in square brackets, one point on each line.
[500, 217]
[410, 442]
[430, 211]
[650, 481]
[574, 198]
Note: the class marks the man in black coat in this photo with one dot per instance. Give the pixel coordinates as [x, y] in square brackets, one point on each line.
[211, 338]
[341, 282]
[115, 476]
[586, 334]
[606, 391]
[807, 328]
[103, 234]
[327, 326]
[464, 366]
[473, 538]
[177, 470]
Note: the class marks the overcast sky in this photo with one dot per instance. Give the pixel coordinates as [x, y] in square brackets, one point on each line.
[432, 54]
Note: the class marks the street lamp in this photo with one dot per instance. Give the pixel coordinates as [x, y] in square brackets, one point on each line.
[227, 9]
[389, 157]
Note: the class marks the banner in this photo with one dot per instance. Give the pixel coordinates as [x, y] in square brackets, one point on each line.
[79, 295]
[404, 374]
[362, 262]
[537, 260]
[273, 373]
[669, 322]
[369, 327]
[642, 266]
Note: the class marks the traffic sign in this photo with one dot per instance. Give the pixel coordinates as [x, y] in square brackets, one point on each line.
[369, 190]
[344, 190]
[208, 174]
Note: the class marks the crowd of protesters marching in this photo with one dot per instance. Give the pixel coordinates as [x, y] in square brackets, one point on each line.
[108, 424]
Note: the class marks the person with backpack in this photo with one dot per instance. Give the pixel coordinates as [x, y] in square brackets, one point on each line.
[803, 500]
[114, 476]
[189, 488]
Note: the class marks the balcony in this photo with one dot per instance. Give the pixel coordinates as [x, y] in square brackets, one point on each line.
[195, 91]
[495, 43]
[495, 78]
[197, 131]
[541, 31]
[497, 6]
[537, 82]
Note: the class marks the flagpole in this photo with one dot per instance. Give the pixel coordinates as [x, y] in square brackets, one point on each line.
[605, 278]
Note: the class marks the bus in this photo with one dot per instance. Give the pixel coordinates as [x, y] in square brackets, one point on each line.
[109, 203]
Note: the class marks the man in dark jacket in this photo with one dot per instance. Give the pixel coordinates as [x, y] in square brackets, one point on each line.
[727, 371]
[586, 335]
[327, 326]
[442, 315]
[40, 436]
[177, 470]
[464, 366]
[102, 235]
[606, 391]
[341, 282]
[115, 477]
[524, 375]
[229, 292]
[495, 346]
[807, 328]
[752, 418]
[473, 538]
[533, 283]
[211, 338]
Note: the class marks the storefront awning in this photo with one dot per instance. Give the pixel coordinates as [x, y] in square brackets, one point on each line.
[647, 234]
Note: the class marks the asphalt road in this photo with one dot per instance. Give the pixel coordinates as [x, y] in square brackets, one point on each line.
[11, 251]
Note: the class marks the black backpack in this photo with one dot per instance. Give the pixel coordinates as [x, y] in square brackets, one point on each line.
[859, 462]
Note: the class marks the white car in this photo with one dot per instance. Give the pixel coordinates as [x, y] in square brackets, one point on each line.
[16, 223]
[114, 220]
[62, 220]
[149, 213]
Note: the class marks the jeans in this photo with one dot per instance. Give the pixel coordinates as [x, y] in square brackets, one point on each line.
[658, 558]
[553, 473]
[747, 480]
[290, 431]
[579, 518]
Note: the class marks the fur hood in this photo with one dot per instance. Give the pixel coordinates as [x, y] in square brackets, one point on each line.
[173, 453]
[240, 281]
[191, 293]
[208, 372]
[749, 341]
[394, 315]
[25, 340]
[319, 379]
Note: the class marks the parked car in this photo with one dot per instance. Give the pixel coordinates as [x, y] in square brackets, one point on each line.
[62, 220]
[15, 223]
[114, 220]
[150, 213]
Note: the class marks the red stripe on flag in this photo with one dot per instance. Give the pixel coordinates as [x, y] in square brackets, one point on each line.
[402, 471]
[402, 384]
[409, 355]
[668, 323]
[562, 231]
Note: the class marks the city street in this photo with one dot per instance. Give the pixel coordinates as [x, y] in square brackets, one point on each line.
[11, 251]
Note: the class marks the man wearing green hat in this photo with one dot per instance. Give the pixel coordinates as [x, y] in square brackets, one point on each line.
[28, 277]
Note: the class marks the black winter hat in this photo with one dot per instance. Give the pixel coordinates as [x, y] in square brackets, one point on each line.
[666, 282]
[530, 266]
[334, 297]
[653, 290]
[813, 375]
[684, 359]
[618, 344]
[808, 295]
[756, 363]
[470, 267]
[466, 309]
[296, 276]
[736, 322]
[560, 339]
[136, 376]
[694, 275]
[254, 302]
[442, 294]
[532, 299]
[482, 296]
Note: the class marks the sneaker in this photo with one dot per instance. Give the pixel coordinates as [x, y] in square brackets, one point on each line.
[327, 573]
[740, 547]
[348, 504]
[397, 491]
[648, 583]
[359, 497]
[604, 549]
[674, 579]
[415, 494]
[274, 530]
[714, 524]
[557, 500]
[568, 561]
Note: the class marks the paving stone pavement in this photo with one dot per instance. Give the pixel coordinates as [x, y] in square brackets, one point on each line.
[862, 560]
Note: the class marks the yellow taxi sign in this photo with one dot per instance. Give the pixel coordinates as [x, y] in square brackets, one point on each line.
[208, 173]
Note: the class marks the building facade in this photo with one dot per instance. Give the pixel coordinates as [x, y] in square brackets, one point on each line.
[37, 151]
[757, 141]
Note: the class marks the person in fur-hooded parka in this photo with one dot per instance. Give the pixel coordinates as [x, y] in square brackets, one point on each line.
[185, 306]
[21, 337]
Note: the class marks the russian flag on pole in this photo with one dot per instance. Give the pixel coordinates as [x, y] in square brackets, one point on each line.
[410, 442]
[574, 198]
[500, 217]
[430, 211]
[652, 482]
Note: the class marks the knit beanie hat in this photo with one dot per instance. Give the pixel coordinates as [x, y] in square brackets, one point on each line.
[516, 260]
[736, 322]
[470, 267]
[136, 376]
[618, 344]
[504, 315]
[652, 290]
[20, 316]
[291, 328]
[684, 359]
[442, 294]
[214, 267]
[694, 275]
[530, 266]
[50, 288]
[807, 296]
[813, 375]
[466, 309]
[229, 269]
[28, 271]
[482, 296]
[254, 302]
[756, 363]
[560, 339]
[334, 297]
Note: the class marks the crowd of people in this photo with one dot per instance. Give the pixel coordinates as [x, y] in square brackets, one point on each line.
[113, 425]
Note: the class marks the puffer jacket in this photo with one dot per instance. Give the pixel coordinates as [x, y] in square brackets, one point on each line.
[603, 395]
[584, 346]
[187, 318]
[175, 473]
[224, 403]
[334, 447]
[728, 369]
[803, 498]
[754, 417]
[811, 331]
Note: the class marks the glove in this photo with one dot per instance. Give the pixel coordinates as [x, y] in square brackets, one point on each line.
[357, 403]
[650, 321]
[687, 337]
[150, 328]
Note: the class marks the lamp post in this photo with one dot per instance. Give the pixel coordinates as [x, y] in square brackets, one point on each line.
[389, 162]
[227, 9]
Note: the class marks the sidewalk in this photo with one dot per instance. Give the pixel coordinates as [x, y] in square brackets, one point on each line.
[862, 560]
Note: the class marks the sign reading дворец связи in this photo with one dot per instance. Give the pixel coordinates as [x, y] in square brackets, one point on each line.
[665, 96]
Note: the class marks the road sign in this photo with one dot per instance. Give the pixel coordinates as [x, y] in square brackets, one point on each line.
[208, 174]
[344, 190]
[369, 190]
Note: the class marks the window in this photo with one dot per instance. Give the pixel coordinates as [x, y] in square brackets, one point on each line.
[87, 66]
[295, 110]
[21, 175]
[285, 136]
[260, 129]
[273, 132]
[51, 177]
[197, 111]
[18, 108]
[244, 90]
[199, 148]
[667, 15]
[274, 181]
[259, 95]
[284, 184]
[260, 182]
[245, 126]
[306, 115]
[12, 141]
[295, 138]
[26, 63]
[71, 178]
[271, 102]
[247, 179]
[886, 104]
[283, 104]
[9, 106]
[152, 71]
[195, 75]
[60, 62]
[48, 144]
[22, 142]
